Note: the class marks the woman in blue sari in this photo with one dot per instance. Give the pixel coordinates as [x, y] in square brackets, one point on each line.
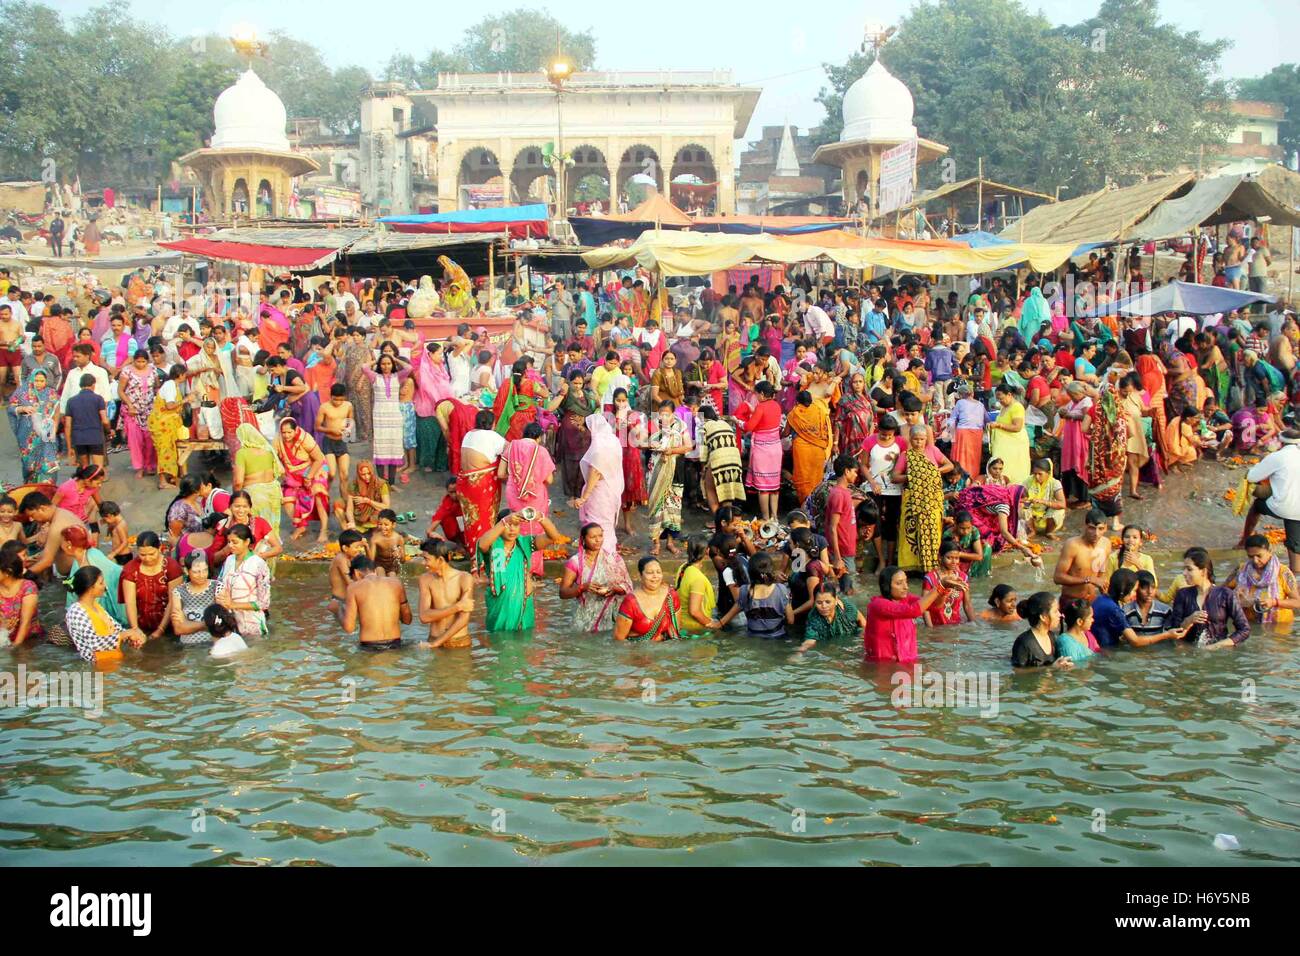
[34, 414]
[507, 555]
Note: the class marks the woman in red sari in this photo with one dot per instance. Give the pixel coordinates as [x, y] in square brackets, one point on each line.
[516, 403]
[477, 486]
[854, 420]
[306, 478]
[456, 420]
[650, 611]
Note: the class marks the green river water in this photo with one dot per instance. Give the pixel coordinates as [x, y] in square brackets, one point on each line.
[551, 748]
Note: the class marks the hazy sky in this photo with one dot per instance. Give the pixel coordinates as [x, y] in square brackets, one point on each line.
[685, 34]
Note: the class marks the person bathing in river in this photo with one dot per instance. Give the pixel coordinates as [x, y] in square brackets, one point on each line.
[352, 544]
[446, 597]
[377, 604]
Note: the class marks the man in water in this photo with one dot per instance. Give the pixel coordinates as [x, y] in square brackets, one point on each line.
[378, 602]
[1081, 570]
[51, 520]
[351, 545]
[446, 597]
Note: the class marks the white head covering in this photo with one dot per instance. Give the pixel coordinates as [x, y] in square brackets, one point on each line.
[605, 454]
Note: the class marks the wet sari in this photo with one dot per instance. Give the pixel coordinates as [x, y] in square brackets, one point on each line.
[509, 606]
[662, 627]
[920, 528]
[596, 613]
[528, 465]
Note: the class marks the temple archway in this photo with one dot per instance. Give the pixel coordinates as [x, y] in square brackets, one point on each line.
[479, 182]
[639, 172]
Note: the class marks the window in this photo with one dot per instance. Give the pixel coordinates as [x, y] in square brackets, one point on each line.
[1252, 137]
[398, 116]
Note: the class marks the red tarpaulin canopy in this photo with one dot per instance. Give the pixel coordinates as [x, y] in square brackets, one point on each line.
[286, 257]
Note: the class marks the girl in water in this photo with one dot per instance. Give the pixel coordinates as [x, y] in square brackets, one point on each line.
[1076, 640]
[1002, 606]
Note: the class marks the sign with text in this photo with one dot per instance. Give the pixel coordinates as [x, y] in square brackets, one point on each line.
[897, 172]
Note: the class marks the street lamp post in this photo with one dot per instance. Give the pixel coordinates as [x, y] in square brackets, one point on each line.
[558, 72]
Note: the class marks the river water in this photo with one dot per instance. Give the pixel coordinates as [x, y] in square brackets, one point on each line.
[554, 748]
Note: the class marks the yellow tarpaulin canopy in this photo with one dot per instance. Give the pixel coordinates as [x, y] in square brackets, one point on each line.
[693, 253]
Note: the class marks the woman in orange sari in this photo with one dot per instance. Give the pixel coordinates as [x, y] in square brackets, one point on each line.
[1152, 372]
[810, 424]
[306, 479]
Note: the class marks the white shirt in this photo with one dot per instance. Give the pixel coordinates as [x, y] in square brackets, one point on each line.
[817, 322]
[38, 308]
[173, 326]
[72, 384]
[484, 441]
[1282, 469]
[19, 311]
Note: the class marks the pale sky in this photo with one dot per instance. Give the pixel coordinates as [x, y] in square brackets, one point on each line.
[751, 40]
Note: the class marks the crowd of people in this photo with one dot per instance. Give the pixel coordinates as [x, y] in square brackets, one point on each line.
[818, 431]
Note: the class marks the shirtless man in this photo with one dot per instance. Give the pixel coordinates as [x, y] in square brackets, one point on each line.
[331, 422]
[378, 603]
[1081, 570]
[351, 545]
[446, 597]
[37, 507]
[12, 333]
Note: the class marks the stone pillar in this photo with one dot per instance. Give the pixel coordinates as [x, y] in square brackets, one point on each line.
[449, 159]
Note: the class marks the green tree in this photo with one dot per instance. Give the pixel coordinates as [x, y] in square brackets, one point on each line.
[523, 41]
[1280, 85]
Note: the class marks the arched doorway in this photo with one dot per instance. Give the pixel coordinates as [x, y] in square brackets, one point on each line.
[479, 183]
[694, 179]
[587, 180]
[239, 199]
[530, 178]
[265, 200]
[639, 173]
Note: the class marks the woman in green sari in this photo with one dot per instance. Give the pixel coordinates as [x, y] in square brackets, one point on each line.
[257, 471]
[507, 555]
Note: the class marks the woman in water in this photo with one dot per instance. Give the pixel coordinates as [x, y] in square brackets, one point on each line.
[76, 545]
[266, 541]
[1129, 554]
[507, 555]
[694, 589]
[953, 587]
[191, 598]
[1208, 614]
[257, 472]
[834, 619]
[95, 635]
[1036, 647]
[146, 585]
[765, 602]
[650, 611]
[1265, 587]
[1076, 640]
[890, 633]
[597, 579]
[18, 621]
[1002, 605]
[245, 585]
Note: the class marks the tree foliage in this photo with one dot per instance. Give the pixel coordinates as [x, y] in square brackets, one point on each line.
[1115, 97]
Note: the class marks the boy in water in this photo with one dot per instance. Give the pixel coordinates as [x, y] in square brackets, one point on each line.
[446, 597]
[119, 535]
[377, 604]
[351, 545]
[332, 423]
[387, 547]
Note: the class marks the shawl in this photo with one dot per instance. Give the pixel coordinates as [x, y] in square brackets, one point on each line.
[605, 454]
[251, 437]
[1034, 314]
[1268, 581]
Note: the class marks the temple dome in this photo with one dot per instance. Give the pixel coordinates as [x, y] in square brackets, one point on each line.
[249, 116]
[878, 107]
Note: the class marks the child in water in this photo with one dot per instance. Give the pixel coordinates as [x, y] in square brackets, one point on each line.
[1076, 641]
[119, 535]
[953, 586]
[351, 545]
[10, 529]
[387, 548]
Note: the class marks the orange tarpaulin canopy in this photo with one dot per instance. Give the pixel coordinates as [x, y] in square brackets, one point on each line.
[655, 209]
[843, 239]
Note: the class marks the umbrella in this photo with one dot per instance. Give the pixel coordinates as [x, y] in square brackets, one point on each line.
[1184, 298]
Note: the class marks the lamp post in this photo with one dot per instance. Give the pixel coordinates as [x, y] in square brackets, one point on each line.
[558, 72]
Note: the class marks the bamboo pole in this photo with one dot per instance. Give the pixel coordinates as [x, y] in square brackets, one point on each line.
[1290, 266]
[979, 195]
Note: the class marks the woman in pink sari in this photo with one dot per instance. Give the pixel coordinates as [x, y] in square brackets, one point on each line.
[1075, 421]
[306, 478]
[432, 386]
[602, 473]
[527, 470]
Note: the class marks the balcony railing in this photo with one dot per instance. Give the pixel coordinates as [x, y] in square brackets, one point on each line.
[526, 81]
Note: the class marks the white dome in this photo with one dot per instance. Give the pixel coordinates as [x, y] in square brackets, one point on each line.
[249, 116]
[878, 107]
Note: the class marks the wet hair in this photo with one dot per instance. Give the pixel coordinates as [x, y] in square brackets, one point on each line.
[350, 537]
[697, 548]
[1146, 579]
[106, 508]
[1034, 610]
[438, 548]
[999, 594]
[85, 579]
[219, 621]
[361, 563]
[1201, 559]
[12, 565]
[241, 531]
[761, 569]
[885, 580]
[645, 562]
[388, 514]
[1074, 610]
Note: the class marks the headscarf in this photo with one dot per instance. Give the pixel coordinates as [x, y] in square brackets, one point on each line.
[1253, 581]
[1033, 314]
[605, 454]
[251, 437]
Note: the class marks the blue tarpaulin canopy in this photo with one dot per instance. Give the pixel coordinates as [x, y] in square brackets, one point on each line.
[519, 221]
[1184, 298]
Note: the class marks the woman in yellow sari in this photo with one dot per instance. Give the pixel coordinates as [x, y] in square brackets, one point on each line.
[729, 347]
[165, 425]
[809, 422]
[1008, 439]
[920, 529]
[1182, 443]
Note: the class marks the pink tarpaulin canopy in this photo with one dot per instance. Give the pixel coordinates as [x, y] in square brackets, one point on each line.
[285, 257]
